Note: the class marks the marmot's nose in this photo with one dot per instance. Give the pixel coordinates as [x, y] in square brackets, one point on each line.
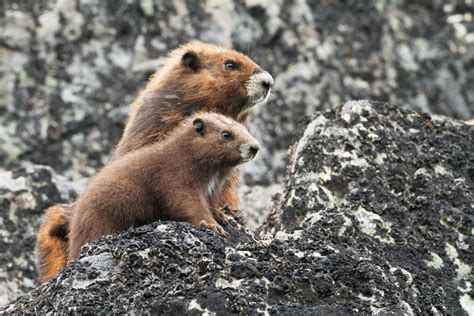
[266, 85]
[254, 148]
[267, 81]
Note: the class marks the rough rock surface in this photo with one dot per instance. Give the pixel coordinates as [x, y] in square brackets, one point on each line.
[69, 69]
[24, 194]
[396, 187]
[255, 203]
[377, 212]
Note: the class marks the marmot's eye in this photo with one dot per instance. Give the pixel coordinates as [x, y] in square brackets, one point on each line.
[230, 65]
[227, 135]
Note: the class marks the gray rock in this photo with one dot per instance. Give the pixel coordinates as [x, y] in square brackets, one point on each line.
[69, 69]
[375, 218]
[24, 194]
[256, 202]
[395, 186]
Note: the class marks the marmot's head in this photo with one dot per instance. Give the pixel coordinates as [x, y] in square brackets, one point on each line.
[205, 77]
[217, 140]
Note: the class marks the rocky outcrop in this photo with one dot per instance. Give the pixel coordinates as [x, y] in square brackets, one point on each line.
[375, 218]
[255, 203]
[24, 194]
[69, 69]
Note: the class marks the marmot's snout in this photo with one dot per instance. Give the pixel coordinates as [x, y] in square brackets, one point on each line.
[259, 86]
[249, 150]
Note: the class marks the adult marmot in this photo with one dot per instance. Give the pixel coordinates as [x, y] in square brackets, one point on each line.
[195, 77]
[175, 179]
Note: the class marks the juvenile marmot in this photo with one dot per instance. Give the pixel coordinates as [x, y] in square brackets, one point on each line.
[195, 77]
[175, 179]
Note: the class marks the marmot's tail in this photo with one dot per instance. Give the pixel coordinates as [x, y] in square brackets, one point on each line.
[52, 241]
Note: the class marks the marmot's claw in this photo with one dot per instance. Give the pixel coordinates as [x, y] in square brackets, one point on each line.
[214, 227]
[235, 214]
[218, 228]
[238, 217]
[220, 217]
[226, 209]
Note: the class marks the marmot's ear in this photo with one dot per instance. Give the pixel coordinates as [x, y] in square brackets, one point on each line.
[191, 60]
[199, 126]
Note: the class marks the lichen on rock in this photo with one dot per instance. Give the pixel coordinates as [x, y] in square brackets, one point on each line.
[71, 68]
[24, 194]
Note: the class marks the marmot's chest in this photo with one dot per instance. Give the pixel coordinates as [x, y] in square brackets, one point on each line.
[214, 186]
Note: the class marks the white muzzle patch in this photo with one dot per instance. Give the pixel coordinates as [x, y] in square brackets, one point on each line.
[248, 151]
[258, 86]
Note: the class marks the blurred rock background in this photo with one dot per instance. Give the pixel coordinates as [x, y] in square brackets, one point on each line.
[69, 70]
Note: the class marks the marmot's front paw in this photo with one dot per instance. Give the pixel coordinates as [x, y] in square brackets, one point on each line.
[238, 217]
[235, 214]
[220, 216]
[215, 227]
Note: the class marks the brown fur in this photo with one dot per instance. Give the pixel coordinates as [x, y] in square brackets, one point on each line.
[51, 242]
[166, 180]
[178, 89]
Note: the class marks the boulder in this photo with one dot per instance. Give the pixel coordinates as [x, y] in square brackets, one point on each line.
[24, 194]
[256, 202]
[375, 218]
